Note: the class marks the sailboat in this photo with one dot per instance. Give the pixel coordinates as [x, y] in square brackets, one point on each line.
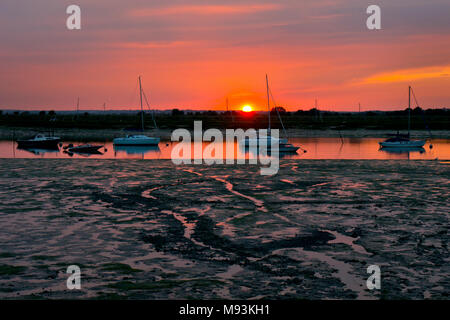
[403, 140]
[137, 139]
[283, 144]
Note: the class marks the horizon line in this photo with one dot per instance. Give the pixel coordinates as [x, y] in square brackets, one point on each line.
[214, 110]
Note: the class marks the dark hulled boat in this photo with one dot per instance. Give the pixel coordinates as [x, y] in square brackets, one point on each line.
[84, 148]
[39, 141]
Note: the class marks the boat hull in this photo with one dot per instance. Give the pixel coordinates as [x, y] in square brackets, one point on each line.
[44, 144]
[288, 149]
[136, 149]
[136, 142]
[262, 141]
[403, 150]
[283, 145]
[83, 149]
[403, 144]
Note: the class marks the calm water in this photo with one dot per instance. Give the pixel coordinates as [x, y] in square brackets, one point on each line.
[317, 148]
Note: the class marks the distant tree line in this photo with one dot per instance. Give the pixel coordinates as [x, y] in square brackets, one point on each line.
[435, 119]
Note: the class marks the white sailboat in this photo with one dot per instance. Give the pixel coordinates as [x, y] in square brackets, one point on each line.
[284, 145]
[137, 139]
[403, 140]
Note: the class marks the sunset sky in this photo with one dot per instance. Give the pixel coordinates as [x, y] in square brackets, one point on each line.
[193, 54]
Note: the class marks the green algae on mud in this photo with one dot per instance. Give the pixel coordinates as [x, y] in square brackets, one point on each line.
[11, 270]
[120, 267]
[163, 284]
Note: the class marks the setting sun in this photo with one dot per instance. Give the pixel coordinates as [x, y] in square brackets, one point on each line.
[247, 108]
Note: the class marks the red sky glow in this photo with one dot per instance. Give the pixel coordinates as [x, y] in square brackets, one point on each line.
[194, 54]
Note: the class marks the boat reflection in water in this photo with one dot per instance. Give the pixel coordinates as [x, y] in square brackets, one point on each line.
[83, 154]
[135, 150]
[254, 153]
[403, 152]
[40, 151]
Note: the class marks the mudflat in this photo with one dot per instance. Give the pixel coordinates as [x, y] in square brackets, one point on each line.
[149, 229]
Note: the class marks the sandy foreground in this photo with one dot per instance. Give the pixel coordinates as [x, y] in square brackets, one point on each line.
[147, 229]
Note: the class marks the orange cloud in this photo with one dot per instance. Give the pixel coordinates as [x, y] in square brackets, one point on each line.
[152, 45]
[205, 10]
[409, 75]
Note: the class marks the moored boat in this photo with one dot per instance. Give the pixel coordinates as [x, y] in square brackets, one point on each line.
[133, 150]
[40, 141]
[266, 141]
[84, 148]
[283, 144]
[138, 140]
[403, 140]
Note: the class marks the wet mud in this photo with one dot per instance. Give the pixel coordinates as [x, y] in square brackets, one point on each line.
[153, 230]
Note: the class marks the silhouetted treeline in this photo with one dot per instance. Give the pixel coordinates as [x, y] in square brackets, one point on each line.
[435, 119]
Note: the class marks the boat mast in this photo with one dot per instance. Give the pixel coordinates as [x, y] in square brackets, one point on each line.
[231, 112]
[317, 110]
[409, 110]
[142, 108]
[268, 101]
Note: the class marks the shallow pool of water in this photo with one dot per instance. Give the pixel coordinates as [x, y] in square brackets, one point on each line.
[316, 148]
